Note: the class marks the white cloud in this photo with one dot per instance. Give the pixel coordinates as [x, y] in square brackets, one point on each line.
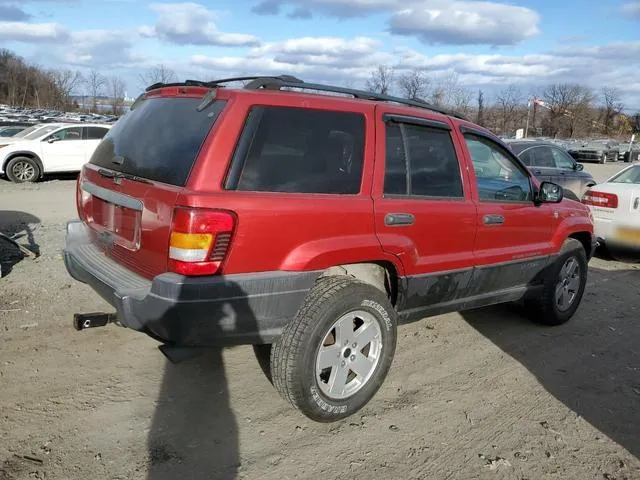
[465, 22]
[457, 22]
[101, 49]
[336, 8]
[340, 61]
[329, 51]
[192, 24]
[33, 32]
[632, 9]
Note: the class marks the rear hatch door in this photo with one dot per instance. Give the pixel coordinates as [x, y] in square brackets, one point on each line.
[129, 187]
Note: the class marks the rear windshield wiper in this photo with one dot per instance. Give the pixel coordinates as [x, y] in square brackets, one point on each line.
[128, 176]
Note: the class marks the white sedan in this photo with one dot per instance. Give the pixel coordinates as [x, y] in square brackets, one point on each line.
[615, 205]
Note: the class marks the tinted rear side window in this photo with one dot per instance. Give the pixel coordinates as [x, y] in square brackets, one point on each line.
[96, 133]
[159, 139]
[298, 150]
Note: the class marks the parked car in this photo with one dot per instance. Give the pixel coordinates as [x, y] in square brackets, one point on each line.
[600, 151]
[615, 205]
[309, 225]
[10, 131]
[31, 133]
[629, 152]
[550, 162]
[51, 149]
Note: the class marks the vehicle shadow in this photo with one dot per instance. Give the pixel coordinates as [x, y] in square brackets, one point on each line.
[194, 433]
[592, 363]
[20, 227]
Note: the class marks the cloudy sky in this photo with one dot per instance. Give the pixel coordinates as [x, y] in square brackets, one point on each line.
[489, 44]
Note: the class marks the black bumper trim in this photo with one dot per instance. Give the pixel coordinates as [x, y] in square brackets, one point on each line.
[190, 311]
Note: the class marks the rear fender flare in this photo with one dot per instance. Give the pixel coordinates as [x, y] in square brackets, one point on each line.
[319, 255]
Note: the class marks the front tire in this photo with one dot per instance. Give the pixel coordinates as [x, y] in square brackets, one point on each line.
[563, 287]
[334, 356]
[22, 170]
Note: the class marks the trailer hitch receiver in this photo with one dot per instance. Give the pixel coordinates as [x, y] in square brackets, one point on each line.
[82, 321]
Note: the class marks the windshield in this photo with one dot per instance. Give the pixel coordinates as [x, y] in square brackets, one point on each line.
[27, 131]
[41, 131]
[632, 175]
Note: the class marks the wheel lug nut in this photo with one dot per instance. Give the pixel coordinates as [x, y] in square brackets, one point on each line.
[343, 363]
[354, 345]
[353, 357]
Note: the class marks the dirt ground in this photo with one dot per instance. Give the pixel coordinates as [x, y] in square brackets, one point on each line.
[478, 395]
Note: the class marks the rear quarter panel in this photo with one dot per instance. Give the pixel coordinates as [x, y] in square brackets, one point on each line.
[287, 231]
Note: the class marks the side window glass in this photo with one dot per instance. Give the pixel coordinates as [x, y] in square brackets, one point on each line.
[72, 133]
[499, 179]
[96, 133]
[395, 170]
[431, 160]
[543, 157]
[562, 160]
[297, 150]
[527, 158]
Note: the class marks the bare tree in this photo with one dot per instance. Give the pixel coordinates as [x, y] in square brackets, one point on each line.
[480, 114]
[381, 80]
[507, 102]
[448, 91]
[66, 81]
[96, 83]
[569, 108]
[116, 94]
[414, 84]
[461, 100]
[158, 74]
[612, 107]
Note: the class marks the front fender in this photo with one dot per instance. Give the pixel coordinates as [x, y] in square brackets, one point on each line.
[330, 252]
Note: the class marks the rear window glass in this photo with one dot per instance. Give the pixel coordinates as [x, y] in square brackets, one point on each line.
[299, 150]
[159, 139]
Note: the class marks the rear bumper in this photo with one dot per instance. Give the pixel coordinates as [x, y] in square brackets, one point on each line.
[189, 311]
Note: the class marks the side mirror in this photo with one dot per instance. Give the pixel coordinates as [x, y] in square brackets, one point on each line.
[51, 140]
[550, 193]
[579, 167]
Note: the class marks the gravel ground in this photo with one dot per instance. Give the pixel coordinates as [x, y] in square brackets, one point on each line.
[479, 395]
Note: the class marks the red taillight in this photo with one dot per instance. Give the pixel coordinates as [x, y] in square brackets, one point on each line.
[199, 240]
[600, 199]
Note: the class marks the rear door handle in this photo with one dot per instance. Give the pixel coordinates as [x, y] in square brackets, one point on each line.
[493, 219]
[391, 219]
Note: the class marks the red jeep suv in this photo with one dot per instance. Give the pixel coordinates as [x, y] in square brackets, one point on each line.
[309, 220]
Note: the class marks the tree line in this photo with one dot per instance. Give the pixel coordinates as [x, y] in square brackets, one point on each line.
[24, 85]
[562, 110]
[559, 110]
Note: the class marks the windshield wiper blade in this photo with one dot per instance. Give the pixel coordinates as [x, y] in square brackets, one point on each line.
[128, 176]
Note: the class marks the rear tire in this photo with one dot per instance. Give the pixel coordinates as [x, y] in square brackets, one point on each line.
[22, 170]
[334, 356]
[563, 286]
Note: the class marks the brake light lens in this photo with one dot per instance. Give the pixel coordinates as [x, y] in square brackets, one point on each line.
[600, 199]
[199, 240]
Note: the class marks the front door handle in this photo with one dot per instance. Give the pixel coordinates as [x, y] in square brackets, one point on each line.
[391, 219]
[493, 219]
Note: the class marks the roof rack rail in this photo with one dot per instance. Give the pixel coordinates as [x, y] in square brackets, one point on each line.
[219, 82]
[285, 81]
